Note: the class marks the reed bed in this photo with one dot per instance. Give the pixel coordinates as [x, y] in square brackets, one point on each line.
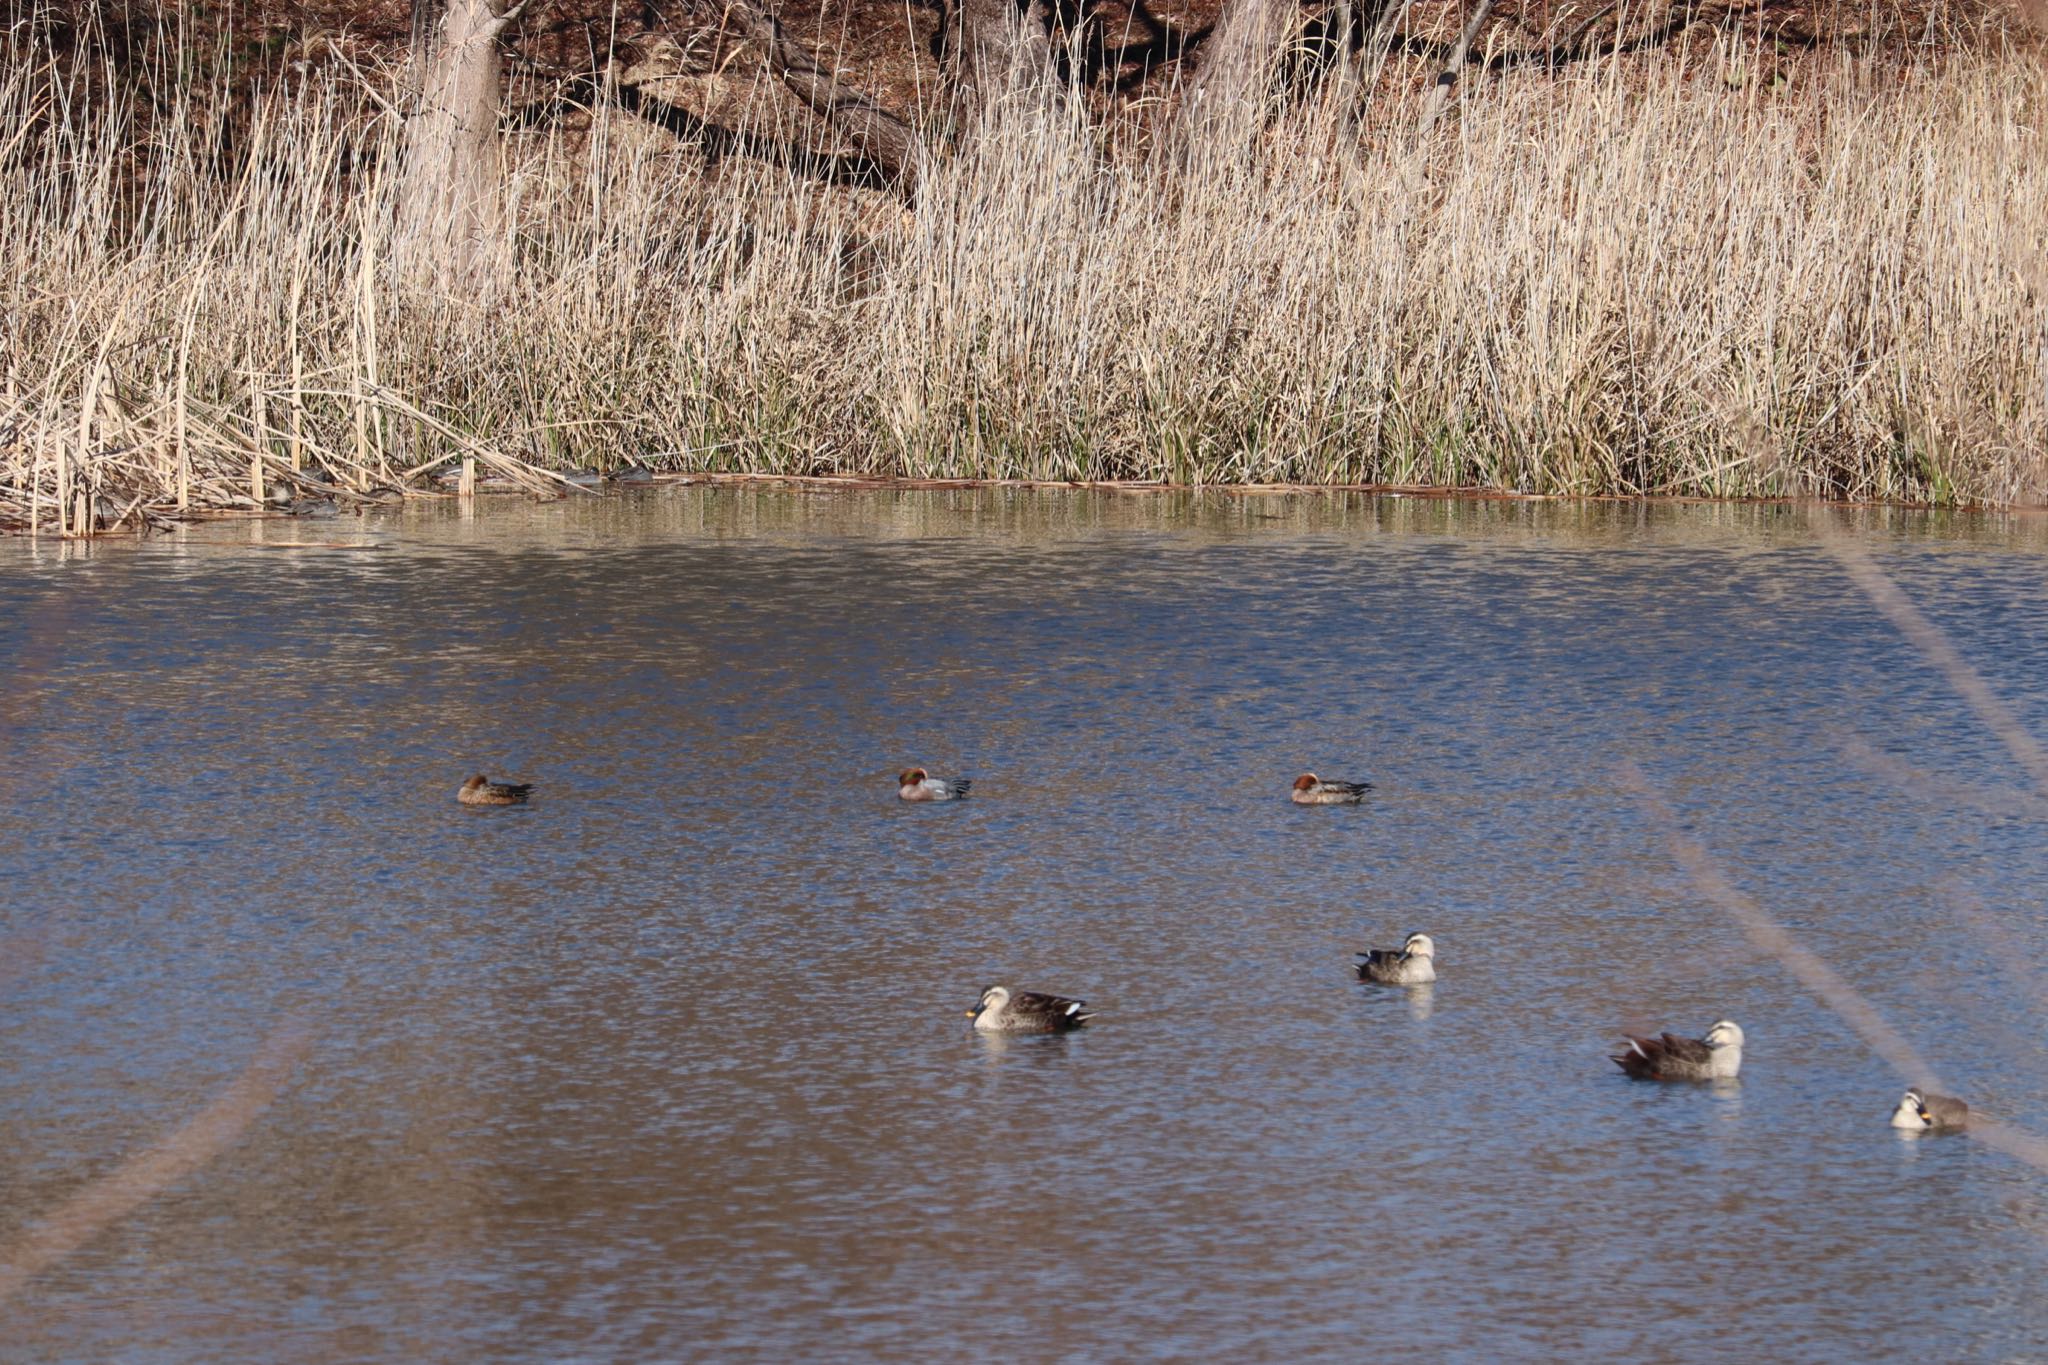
[1661, 276]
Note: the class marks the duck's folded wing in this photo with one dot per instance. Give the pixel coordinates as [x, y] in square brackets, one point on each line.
[1642, 1056]
[1036, 1005]
[1686, 1049]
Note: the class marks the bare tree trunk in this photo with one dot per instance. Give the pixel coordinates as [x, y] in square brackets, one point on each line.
[876, 135]
[1231, 94]
[1005, 48]
[451, 177]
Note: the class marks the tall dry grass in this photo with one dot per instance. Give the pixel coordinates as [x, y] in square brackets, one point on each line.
[1665, 276]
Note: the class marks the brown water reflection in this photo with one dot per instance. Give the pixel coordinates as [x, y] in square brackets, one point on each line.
[671, 1063]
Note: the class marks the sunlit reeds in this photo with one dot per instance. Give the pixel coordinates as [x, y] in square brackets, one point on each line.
[1665, 277]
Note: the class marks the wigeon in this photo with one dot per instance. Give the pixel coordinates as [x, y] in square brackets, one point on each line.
[1411, 964]
[1310, 790]
[915, 784]
[480, 791]
[1715, 1057]
[1026, 1012]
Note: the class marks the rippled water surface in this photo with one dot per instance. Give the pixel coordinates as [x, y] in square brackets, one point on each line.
[673, 1062]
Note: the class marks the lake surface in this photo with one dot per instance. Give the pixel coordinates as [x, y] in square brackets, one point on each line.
[672, 1063]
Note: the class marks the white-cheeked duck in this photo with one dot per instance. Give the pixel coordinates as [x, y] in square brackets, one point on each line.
[1715, 1057]
[1924, 1111]
[1001, 1011]
[1411, 964]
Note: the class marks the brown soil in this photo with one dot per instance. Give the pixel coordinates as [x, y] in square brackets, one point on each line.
[887, 46]
[682, 67]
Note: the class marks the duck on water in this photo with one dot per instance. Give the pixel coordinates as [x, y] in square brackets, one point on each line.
[481, 791]
[1716, 1057]
[1922, 1111]
[1411, 964]
[915, 784]
[1310, 790]
[1001, 1011]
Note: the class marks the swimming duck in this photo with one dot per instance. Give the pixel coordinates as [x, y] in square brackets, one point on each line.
[1026, 1012]
[1310, 790]
[1671, 1058]
[914, 784]
[1411, 964]
[1921, 1110]
[480, 791]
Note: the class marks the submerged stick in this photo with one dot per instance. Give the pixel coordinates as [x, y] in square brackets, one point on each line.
[149, 1172]
[1812, 971]
[1911, 622]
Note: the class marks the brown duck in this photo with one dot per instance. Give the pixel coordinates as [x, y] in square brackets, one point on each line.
[481, 791]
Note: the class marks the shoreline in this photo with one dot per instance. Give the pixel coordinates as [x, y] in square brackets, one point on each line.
[495, 491]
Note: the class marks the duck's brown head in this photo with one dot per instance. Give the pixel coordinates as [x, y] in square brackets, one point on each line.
[1306, 782]
[473, 783]
[910, 777]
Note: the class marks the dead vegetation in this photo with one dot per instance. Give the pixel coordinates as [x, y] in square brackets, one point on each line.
[1640, 252]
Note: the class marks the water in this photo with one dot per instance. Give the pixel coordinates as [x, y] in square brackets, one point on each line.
[673, 1063]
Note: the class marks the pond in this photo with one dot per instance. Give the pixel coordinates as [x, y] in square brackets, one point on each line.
[673, 1062]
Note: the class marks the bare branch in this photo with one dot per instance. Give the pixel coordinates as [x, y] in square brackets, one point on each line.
[149, 1172]
[1928, 785]
[497, 26]
[1446, 83]
[1813, 972]
[1928, 638]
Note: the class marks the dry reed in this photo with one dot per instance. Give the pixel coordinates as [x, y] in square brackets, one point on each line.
[1666, 277]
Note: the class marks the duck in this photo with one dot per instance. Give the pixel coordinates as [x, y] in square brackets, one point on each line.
[1310, 790]
[481, 791]
[1718, 1056]
[1923, 1110]
[1411, 964]
[1027, 1012]
[915, 784]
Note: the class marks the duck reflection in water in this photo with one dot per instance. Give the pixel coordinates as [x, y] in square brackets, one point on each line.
[1025, 1049]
